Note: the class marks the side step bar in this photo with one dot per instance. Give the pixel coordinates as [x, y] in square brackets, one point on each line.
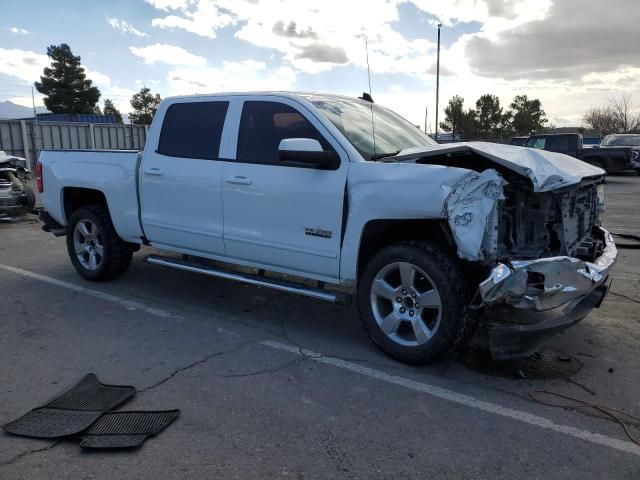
[260, 281]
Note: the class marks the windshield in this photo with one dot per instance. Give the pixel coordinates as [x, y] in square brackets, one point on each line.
[353, 118]
[535, 142]
[621, 141]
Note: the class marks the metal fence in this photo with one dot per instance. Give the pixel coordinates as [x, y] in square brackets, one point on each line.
[25, 138]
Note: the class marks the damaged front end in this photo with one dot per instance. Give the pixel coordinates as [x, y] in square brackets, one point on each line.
[550, 294]
[16, 197]
[533, 227]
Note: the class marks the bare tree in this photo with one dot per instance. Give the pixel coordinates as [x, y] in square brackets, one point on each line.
[601, 119]
[625, 113]
[619, 116]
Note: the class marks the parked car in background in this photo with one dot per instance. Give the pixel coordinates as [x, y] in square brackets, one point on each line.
[518, 141]
[621, 140]
[424, 236]
[611, 157]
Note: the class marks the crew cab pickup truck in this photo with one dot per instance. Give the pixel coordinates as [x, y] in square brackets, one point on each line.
[349, 201]
[612, 158]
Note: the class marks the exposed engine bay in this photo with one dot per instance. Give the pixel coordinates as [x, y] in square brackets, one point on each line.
[527, 224]
[538, 225]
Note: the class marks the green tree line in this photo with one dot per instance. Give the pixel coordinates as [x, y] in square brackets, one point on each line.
[489, 120]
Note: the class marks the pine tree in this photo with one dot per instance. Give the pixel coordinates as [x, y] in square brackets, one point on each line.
[144, 104]
[65, 86]
[489, 116]
[527, 116]
[110, 109]
[454, 116]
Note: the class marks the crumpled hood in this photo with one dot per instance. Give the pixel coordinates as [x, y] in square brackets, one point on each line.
[10, 159]
[546, 170]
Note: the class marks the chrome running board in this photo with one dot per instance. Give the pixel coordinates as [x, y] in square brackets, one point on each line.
[258, 280]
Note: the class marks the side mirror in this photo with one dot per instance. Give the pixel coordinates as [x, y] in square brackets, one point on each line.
[306, 152]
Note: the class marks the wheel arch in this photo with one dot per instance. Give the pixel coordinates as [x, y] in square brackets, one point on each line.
[74, 198]
[380, 233]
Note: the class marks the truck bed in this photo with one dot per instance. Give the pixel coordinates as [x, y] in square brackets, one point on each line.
[112, 172]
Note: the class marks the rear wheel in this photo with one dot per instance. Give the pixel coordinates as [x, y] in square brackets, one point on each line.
[95, 249]
[413, 302]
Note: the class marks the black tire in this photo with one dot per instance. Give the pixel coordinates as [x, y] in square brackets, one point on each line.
[117, 253]
[445, 275]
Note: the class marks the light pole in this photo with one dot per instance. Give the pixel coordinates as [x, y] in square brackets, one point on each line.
[438, 80]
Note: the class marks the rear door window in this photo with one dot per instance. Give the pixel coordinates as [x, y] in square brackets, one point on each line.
[193, 130]
[264, 124]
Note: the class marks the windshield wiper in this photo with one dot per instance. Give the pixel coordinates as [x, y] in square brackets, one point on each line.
[383, 155]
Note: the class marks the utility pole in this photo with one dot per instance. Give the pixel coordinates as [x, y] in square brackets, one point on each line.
[438, 80]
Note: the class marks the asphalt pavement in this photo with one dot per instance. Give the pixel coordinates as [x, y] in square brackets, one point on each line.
[272, 385]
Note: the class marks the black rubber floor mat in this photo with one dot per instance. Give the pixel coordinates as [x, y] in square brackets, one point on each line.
[73, 411]
[126, 429]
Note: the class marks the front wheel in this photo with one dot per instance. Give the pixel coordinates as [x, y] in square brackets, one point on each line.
[95, 249]
[413, 302]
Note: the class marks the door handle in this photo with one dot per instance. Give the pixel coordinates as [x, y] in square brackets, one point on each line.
[239, 180]
[154, 171]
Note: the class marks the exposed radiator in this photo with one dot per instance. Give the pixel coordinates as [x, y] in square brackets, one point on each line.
[579, 215]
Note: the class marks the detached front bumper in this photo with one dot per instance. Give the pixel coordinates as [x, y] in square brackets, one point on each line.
[12, 202]
[544, 297]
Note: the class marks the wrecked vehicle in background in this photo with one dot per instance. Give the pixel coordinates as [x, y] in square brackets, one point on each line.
[432, 239]
[16, 196]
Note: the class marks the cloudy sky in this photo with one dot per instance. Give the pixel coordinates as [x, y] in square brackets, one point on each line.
[572, 54]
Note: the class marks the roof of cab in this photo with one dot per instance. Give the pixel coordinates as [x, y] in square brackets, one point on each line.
[285, 94]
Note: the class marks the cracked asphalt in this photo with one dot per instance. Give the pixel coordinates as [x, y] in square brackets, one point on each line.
[272, 385]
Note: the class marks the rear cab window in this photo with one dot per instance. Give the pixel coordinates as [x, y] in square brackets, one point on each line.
[193, 130]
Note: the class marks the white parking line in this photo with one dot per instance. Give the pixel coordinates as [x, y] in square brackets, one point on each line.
[123, 302]
[462, 399]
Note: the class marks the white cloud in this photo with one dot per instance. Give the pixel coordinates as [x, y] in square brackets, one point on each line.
[125, 27]
[309, 37]
[99, 79]
[120, 97]
[204, 19]
[22, 31]
[240, 76]
[28, 101]
[314, 38]
[27, 66]
[23, 64]
[168, 4]
[169, 54]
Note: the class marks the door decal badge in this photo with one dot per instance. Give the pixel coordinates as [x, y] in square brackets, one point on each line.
[318, 232]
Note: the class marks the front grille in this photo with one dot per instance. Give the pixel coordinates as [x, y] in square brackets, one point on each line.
[579, 215]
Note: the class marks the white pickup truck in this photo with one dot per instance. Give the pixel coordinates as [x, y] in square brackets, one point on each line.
[432, 240]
